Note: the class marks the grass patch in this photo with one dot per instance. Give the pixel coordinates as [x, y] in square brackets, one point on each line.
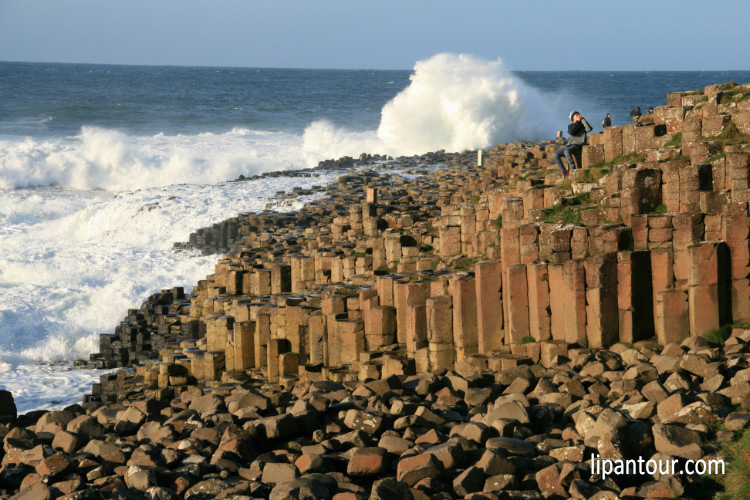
[359, 254]
[381, 271]
[584, 198]
[594, 173]
[566, 184]
[567, 214]
[717, 157]
[647, 119]
[731, 135]
[676, 158]
[424, 247]
[628, 159]
[656, 347]
[528, 339]
[718, 335]
[434, 264]
[465, 264]
[499, 222]
[701, 101]
[731, 92]
[660, 209]
[704, 487]
[631, 158]
[474, 200]
[736, 481]
[715, 426]
[675, 141]
[538, 174]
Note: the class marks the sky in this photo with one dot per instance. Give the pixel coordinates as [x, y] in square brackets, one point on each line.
[551, 35]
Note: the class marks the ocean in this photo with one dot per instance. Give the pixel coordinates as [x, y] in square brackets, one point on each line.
[103, 168]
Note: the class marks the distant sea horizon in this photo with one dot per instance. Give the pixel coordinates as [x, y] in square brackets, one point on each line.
[212, 66]
[104, 167]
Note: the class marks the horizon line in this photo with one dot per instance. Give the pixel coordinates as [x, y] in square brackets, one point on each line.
[209, 66]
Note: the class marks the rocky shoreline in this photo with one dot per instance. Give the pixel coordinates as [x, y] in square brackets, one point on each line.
[459, 331]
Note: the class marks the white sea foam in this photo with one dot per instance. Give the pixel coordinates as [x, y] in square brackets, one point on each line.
[454, 102]
[73, 262]
[109, 159]
[46, 386]
[69, 275]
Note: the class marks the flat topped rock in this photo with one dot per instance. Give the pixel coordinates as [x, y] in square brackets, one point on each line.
[512, 446]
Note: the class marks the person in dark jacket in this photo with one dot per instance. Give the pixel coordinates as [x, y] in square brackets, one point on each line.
[577, 130]
[607, 122]
[635, 113]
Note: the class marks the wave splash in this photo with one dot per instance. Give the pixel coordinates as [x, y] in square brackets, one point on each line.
[454, 102]
[108, 159]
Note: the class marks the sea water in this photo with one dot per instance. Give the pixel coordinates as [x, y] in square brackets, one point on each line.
[103, 168]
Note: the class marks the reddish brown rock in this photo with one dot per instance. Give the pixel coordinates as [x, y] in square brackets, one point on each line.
[367, 461]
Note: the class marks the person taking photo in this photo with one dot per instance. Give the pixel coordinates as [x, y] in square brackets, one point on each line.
[577, 130]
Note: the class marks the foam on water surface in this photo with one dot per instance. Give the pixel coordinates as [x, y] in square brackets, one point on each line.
[49, 387]
[73, 262]
[98, 158]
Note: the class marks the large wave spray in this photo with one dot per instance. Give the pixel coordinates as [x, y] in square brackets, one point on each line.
[458, 102]
[454, 102]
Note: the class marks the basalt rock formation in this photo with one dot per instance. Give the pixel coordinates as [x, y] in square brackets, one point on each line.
[434, 328]
[435, 262]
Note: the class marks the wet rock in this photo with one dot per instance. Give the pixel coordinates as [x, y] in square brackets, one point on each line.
[8, 411]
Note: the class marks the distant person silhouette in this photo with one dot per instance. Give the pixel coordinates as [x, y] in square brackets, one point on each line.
[635, 113]
[607, 122]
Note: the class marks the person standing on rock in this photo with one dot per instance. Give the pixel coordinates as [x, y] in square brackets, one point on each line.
[577, 130]
[607, 122]
[635, 113]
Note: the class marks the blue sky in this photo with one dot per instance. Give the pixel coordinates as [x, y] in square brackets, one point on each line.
[382, 34]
